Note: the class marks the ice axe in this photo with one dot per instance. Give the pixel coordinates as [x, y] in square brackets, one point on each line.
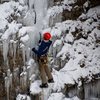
[40, 37]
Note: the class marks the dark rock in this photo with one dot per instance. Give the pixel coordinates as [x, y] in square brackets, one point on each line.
[2, 88]
[94, 3]
[80, 2]
[96, 75]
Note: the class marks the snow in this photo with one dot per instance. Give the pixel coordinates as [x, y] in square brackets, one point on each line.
[69, 1]
[13, 29]
[22, 97]
[56, 10]
[60, 96]
[40, 7]
[73, 98]
[69, 38]
[6, 9]
[94, 12]
[25, 38]
[34, 88]
[87, 26]
[29, 18]
[86, 4]
[3, 25]
[64, 51]
[23, 2]
[57, 42]
[95, 34]
[29, 33]
[60, 79]
[70, 25]
[56, 96]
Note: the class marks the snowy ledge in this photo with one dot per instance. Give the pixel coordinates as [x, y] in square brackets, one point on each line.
[23, 97]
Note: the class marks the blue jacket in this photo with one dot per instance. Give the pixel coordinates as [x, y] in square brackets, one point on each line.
[43, 48]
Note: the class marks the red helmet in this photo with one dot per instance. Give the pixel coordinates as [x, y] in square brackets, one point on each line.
[47, 36]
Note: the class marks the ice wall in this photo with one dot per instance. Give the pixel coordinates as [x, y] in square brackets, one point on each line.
[37, 9]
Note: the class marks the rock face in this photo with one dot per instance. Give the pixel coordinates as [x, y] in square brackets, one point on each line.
[94, 3]
[1, 59]
[70, 11]
[73, 14]
[2, 88]
[2, 91]
[76, 11]
[52, 3]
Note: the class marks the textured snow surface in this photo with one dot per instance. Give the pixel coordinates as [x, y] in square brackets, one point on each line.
[55, 10]
[22, 97]
[60, 96]
[34, 88]
[69, 1]
[13, 29]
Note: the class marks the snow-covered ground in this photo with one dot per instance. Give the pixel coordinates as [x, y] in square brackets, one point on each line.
[23, 97]
[60, 96]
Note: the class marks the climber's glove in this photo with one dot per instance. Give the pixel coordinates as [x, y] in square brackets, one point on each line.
[39, 41]
[33, 49]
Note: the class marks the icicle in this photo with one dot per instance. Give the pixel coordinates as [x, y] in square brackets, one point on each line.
[11, 47]
[31, 3]
[31, 70]
[7, 87]
[5, 51]
[23, 51]
[40, 7]
[25, 79]
[14, 47]
[51, 21]
[9, 75]
[27, 53]
[11, 80]
[7, 83]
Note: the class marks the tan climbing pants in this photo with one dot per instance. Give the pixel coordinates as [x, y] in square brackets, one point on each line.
[44, 69]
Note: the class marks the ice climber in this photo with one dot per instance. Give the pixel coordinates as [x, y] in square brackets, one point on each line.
[42, 59]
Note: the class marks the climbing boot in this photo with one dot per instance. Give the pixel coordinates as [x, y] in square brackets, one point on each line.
[50, 81]
[44, 85]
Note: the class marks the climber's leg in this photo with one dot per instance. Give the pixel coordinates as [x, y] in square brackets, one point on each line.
[48, 73]
[42, 73]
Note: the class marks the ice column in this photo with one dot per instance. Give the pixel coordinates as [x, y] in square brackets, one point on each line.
[5, 51]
